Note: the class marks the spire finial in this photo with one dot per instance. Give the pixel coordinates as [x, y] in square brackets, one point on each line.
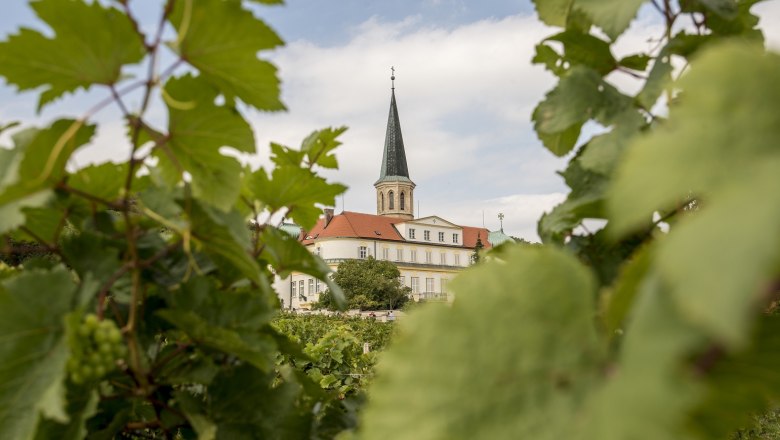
[501, 219]
[392, 77]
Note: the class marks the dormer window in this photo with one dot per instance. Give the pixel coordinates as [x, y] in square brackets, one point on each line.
[427, 235]
[411, 233]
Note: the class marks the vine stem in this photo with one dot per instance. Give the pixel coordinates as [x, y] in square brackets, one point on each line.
[136, 294]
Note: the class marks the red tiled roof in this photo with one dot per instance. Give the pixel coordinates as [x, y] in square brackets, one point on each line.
[376, 227]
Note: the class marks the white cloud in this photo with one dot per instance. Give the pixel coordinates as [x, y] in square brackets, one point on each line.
[465, 97]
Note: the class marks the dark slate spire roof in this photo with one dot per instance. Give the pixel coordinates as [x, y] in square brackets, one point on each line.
[394, 157]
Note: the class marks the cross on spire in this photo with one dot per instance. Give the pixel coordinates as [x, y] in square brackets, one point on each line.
[501, 219]
[392, 77]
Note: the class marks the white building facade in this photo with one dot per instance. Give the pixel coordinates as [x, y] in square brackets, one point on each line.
[428, 251]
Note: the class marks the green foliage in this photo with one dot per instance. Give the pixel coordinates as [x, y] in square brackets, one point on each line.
[368, 284]
[150, 316]
[653, 327]
[308, 329]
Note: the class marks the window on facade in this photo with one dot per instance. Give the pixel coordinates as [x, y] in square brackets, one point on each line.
[391, 200]
[362, 252]
[403, 201]
[411, 233]
[413, 256]
[294, 288]
[382, 198]
[455, 238]
[429, 285]
[441, 237]
[415, 285]
[428, 257]
[457, 259]
[300, 291]
[399, 254]
[317, 286]
[311, 286]
[385, 253]
[444, 282]
[443, 258]
[427, 235]
[402, 279]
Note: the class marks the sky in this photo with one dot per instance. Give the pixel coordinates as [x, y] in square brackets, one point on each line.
[465, 90]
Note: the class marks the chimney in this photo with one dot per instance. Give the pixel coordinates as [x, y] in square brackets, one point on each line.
[328, 216]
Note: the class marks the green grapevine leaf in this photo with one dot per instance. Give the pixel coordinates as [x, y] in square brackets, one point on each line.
[82, 404]
[246, 405]
[319, 147]
[553, 12]
[225, 238]
[228, 60]
[741, 384]
[523, 377]
[36, 164]
[612, 16]
[618, 302]
[580, 95]
[585, 49]
[699, 149]
[73, 58]
[295, 188]
[584, 201]
[702, 155]
[603, 152]
[551, 59]
[198, 129]
[104, 181]
[33, 306]
[635, 62]
[649, 391]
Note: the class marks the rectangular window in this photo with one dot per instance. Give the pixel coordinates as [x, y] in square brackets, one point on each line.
[427, 235]
[429, 285]
[385, 253]
[301, 295]
[455, 238]
[403, 280]
[441, 237]
[415, 285]
[428, 257]
[362, 252]
[411, 233]
[443, 257]
[318, 250]
[294, 289]
[399, 254]
[457, 259]
[444, 282]
[413, 256]
[311, 286]
[317, 286]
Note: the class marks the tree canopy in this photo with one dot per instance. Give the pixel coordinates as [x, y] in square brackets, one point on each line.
[368, 284]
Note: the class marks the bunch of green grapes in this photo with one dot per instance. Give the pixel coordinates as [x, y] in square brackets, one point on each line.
[96, 349]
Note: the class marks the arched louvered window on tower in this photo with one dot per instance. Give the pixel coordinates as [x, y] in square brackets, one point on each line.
[391, 196]
[382, 197]
[403, 201]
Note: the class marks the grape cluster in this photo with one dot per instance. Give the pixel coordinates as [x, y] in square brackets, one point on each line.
[96, 349]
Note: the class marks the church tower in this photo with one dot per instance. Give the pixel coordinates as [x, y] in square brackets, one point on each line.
[394, 189]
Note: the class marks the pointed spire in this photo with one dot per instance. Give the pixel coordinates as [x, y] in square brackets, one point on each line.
[394, 156]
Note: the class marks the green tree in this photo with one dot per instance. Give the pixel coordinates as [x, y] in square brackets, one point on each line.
[479, 247]
[632, 331]
[368, 284]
